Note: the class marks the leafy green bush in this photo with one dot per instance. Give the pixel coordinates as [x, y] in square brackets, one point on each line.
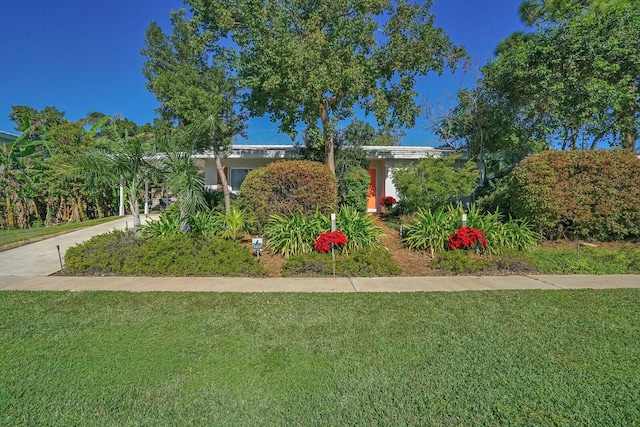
[288, 186]
[429, 230]
[353, 188]
[210, 223]
[433, 182]
[167, 224]
[460, 262]
[122, 254]
[494, 194]
[358, 263]
[589, 194]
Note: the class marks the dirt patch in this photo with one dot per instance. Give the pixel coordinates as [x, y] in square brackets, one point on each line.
[412, 263]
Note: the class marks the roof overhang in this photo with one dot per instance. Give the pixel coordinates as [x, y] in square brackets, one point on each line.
[291, 152]
[6, 136]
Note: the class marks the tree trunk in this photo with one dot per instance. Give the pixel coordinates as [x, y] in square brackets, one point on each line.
[224, 183]
[327, 136]
[135, 207]
[10, 220]
[630, 128]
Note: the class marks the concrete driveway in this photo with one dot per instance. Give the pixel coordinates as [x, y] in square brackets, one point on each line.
[41, 258]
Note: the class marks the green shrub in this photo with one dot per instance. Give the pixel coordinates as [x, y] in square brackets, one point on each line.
[288, 186]
[122, 254]
[102, 254]
[294, 233]
[460, 262]
[429, 230]
[589, 194]
[232, 226]
[494, 194]
[368, 263]
[359, 263]
[353, 188]
[359, 228]
[210, 223]
[433, 182]
[215, 200]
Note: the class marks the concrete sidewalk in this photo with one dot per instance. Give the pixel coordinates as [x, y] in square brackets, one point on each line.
[338, 284]
[29, 268]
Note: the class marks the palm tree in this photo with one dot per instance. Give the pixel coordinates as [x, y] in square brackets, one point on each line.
[212, 133]
[121, 159]
[184, 179]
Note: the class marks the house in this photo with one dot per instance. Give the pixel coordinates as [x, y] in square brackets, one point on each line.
[382, 160]
[7, 137]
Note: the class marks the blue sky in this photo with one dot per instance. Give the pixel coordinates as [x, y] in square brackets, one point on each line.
[83, 56]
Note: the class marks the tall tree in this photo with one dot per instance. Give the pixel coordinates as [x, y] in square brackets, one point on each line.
[189, 74]
[360, 133]
[574, 79]
[314, 61]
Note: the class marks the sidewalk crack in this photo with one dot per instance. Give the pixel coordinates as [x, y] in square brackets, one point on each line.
[543, 281]
[353, 285]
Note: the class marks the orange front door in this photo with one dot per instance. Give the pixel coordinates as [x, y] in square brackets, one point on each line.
[371, 202]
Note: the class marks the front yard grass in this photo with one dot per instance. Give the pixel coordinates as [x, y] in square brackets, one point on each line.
[468, 358]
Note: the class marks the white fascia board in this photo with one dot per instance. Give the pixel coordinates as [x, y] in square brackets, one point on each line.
[289, 152]
[8, 136]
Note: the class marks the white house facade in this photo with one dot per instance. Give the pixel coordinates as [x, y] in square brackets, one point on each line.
[382, 161]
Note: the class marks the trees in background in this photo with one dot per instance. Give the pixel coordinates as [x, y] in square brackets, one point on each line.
[571, 82]
[313, 62]
[59, 171]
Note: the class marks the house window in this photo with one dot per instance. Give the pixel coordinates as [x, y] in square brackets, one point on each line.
[237, 176]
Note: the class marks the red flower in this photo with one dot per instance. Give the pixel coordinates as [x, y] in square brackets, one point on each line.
[325, 240]
[467, 238]
[387, 201]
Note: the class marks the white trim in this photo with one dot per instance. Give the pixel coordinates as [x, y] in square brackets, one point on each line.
[290, 152]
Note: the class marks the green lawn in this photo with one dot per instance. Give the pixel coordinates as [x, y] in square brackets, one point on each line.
[468, 358]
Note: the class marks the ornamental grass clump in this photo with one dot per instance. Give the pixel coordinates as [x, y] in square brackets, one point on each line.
[429, 230]
[331, 239]
[467, 238]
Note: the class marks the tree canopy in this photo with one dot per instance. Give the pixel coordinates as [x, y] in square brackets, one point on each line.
[188, 71]
[309, 62]
[571, 82]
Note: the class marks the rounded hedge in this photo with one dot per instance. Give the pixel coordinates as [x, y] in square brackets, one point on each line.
[587, 194]
[288, 186]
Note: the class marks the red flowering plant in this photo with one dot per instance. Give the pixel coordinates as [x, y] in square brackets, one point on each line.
[387, 201]
[467, 238]
[324, 242]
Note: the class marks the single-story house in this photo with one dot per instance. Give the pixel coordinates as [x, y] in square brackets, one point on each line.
[7, 137]
[382, 160]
